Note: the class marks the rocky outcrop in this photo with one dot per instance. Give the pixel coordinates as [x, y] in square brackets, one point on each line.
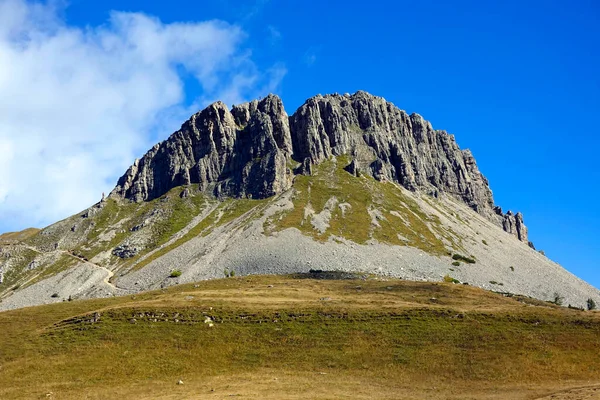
[125, 251]
[387, 143]
[244, 152]
[238, 153]
[513, 224]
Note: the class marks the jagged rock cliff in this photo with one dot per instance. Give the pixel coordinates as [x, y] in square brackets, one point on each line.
[244, 152]
[238, 153]
[387, 143]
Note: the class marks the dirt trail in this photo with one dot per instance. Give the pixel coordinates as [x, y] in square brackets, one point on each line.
[109, 273]
[580, 393]
[83, 260]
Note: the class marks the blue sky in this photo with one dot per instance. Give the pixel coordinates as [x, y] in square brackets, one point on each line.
[516, 82]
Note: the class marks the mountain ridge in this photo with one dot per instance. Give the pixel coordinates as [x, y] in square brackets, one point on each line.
[243, 152]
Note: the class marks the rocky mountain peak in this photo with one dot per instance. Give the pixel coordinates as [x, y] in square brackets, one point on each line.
[240, 152]
[246, 151]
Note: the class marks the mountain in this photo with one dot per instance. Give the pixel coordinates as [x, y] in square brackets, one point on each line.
[244, 152]
[348, 182]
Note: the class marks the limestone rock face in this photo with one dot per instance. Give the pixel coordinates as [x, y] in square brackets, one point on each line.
[387, 143]
[514, 225]
[238, 153]
[244, 152]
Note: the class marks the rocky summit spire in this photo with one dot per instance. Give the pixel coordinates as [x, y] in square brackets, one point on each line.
[244, 152]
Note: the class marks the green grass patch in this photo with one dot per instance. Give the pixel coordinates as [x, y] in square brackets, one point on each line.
[235, 208]
[119, 216]
[177, 214]
[170, 213]
[199, 229]
[18, 236]
[17, 273]
[223, 213]
[403, 221]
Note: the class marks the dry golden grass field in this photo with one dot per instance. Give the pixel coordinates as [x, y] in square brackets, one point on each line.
[275, 337]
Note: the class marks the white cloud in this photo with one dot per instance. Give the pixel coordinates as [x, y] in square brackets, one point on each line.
[77, 106]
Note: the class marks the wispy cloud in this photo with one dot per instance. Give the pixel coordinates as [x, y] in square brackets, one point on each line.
[273, 34]
[310, 56]
[255, 8]
[78, 105]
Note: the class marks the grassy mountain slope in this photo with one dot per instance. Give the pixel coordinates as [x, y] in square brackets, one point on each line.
[18, 236]
[295, 337]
